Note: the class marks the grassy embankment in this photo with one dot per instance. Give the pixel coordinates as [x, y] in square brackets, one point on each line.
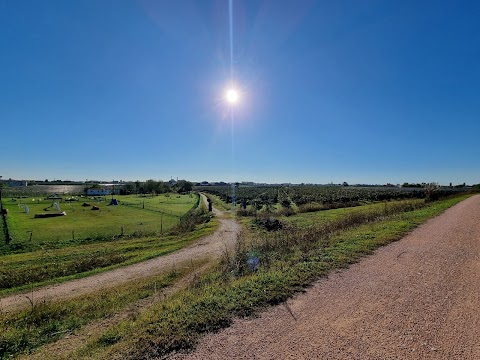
[289, 260]
[54, 261]
[46, 322]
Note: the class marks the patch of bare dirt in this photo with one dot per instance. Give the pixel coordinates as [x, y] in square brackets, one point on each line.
[418, 298]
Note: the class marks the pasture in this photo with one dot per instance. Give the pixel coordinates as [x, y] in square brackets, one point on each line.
[44, 250]
[134, 215]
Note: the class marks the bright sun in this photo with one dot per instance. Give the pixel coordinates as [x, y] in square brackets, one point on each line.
[232, 96]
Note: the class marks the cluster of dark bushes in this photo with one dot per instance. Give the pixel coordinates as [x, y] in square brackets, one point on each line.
[157, 187]
[269, 224]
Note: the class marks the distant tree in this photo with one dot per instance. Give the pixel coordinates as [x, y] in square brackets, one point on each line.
[154, 186]
[412, 185]
[162, 187]
[150, 186]
[431, 191]
[345, 183]
[129, 188]
[184, 186]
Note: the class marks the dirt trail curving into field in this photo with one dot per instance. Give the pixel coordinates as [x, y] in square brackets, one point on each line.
[211, 246]
[418, 298]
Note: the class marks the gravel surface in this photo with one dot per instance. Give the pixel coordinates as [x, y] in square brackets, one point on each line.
[212, 246]
[418, 298]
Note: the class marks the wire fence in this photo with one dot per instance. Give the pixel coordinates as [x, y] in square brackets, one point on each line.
[149, 207]
[52, 223]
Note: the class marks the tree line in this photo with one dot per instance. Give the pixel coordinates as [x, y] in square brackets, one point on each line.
[157, 186]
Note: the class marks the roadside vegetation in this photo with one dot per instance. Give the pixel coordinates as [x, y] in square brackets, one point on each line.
[46, 322]
[268, 267]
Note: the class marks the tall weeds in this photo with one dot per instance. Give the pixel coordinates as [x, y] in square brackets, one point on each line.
[196, 216]
[292, 244]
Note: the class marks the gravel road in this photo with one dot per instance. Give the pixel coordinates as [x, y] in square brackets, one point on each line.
[212, 246]
[418, 298]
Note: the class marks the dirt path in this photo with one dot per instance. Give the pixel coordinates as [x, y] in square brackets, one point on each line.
[67, 346]
[209, 246]
[418, 298]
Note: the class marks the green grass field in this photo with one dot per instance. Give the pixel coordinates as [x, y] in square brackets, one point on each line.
[133, 216]
[86, 241]
[320, 217]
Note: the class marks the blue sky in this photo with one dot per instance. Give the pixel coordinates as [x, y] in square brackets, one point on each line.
[331, 91]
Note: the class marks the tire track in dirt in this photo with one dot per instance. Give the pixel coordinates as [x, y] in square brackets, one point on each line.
[73, 341]
[418, 298]
[210, 246]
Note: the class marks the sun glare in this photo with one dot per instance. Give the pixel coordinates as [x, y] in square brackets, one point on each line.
[232, 96]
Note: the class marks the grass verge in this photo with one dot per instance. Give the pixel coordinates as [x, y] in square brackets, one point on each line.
[287, 263]
[22, 272]
[46, 322]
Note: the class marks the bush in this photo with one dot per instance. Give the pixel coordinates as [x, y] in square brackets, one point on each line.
[269, 224]
[192, 218]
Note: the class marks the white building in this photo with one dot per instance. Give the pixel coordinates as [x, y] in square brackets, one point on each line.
[95, 192]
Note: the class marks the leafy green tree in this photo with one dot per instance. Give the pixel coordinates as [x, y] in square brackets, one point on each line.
[184, 186]
[137, 186]
[129, 188]
[150, 186]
